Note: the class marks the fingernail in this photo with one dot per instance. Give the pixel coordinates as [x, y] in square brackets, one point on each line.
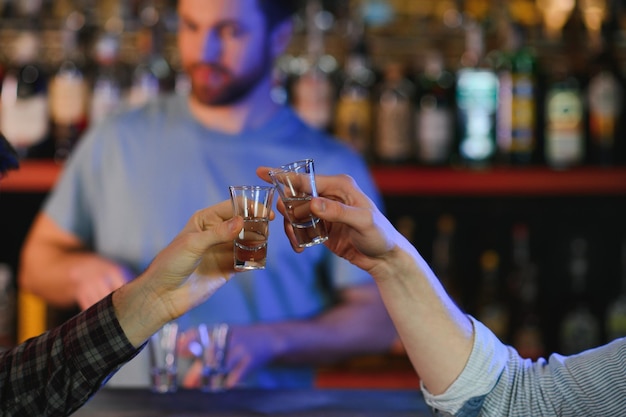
[320, 205]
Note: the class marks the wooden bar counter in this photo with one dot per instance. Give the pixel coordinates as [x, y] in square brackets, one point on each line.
[253, 402]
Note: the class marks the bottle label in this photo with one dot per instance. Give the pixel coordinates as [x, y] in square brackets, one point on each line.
[24, 122]
[477, 98]
[434, 134]
[353, 124]
[604, 107]
[394, 128]
[522, 114]
[68, 99]
[564, 135]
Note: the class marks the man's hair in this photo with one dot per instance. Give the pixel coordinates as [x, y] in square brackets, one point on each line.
[8, 156]
[277, 11]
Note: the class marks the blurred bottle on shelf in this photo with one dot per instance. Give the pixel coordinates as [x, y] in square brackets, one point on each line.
[394, 116]
[444, 254]
[354, 110]
[7, 308]
[605, 98]
[313, 91]
[555, 15]
[153, 73]
[110, 81]
[580, 329]
[29, 9]
[564, 137]
[516, 115]
[477, 100]
[434, 111]
[69, 90]
[492, 310]
[616, 311]
[24, 114]
[526, 331]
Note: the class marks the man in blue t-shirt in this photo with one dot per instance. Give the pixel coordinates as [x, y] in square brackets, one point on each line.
[135, 179]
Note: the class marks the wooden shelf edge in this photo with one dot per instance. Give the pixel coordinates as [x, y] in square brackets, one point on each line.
[531, 181]
[40, 177]
[34, 176]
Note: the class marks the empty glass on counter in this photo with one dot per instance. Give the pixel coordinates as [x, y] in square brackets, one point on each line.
[162, 347]
[210, 346]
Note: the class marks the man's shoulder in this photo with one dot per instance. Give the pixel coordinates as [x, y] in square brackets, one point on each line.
[159, 108]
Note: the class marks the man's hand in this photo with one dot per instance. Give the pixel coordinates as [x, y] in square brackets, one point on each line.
[357, 230]
[95, 277]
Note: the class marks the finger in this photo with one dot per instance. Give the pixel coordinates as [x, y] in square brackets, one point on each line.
[216, 234]
[337, 212]
[115, 280]
[264, 174]
[210, 216]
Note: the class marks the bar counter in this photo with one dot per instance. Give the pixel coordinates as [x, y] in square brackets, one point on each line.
[118, 402]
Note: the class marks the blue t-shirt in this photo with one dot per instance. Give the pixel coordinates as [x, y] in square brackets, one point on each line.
[135, 180]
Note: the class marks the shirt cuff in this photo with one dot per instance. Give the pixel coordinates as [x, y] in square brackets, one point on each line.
[484, 366]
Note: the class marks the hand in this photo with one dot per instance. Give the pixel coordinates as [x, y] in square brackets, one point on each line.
[198, 261]
[96, 277]
[357, 230]
[183, 275]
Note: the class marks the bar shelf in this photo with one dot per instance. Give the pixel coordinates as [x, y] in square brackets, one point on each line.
[40, 176]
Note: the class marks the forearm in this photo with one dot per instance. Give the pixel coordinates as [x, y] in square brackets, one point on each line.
[357, 324]
[58, 371]
[436, 334]
[48, 274]
[139, 311]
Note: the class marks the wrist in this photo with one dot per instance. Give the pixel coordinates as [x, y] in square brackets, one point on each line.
[139, 311]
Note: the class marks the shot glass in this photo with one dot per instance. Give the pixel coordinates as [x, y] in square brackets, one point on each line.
[296, 185]
[254, 204]
[211, 347]
[164, 359]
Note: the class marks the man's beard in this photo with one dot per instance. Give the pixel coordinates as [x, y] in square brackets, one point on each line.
[227, 89]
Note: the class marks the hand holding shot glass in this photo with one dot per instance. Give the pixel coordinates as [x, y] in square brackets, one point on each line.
[296, 185]
[254, 204]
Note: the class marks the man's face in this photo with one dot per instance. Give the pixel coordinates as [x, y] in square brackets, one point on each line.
[224, 48]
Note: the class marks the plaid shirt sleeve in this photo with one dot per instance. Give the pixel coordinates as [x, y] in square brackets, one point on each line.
[57, 372]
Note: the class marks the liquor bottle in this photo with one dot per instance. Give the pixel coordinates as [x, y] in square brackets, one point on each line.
[616, 312]
[605, 96]
[69, 91]
[313, 90]
[353, 113]
[564, 139]
[153, 74]
[443, 256]
[492, 311]
[516, 115]
[29, 9]
[580, 329]
[522, 285]
[110, 81]
[477, 100]
[434, 111]
[555, 15]
[24, 119]
[7, 308]
[394, 116]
